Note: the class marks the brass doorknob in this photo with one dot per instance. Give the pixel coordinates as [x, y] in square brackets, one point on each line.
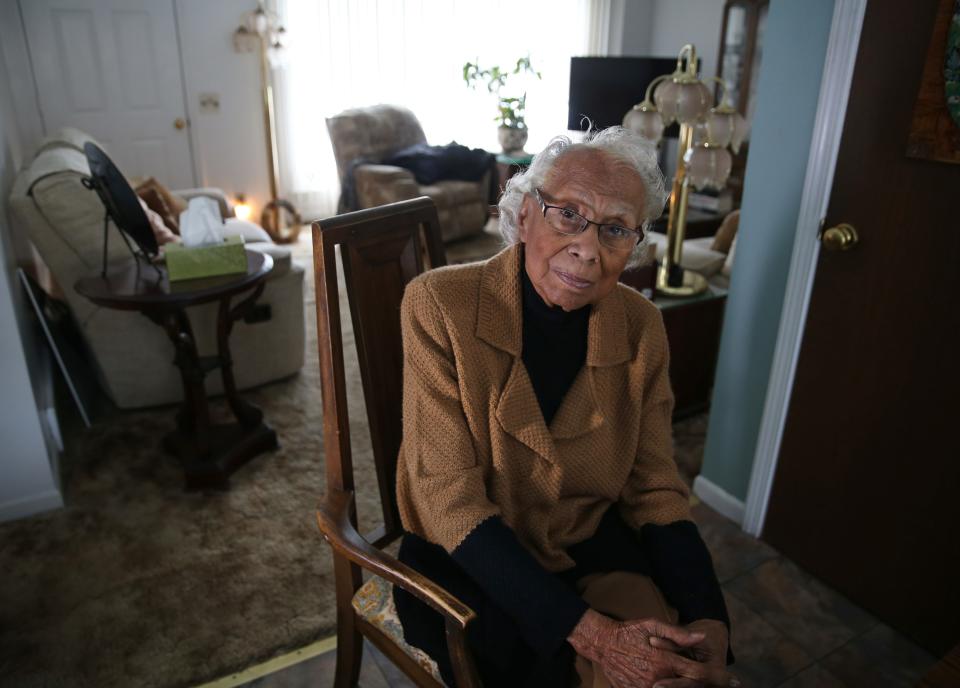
[841, 237]
[179, 123]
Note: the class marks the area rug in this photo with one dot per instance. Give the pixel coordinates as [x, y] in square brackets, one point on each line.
[136, 583]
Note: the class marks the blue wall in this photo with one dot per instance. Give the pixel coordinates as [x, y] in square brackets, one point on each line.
[794, 46]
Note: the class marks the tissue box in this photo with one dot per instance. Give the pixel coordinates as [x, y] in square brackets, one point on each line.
[228, 258]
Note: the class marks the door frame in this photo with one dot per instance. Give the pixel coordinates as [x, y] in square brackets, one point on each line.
[841, 55]
[26, 105]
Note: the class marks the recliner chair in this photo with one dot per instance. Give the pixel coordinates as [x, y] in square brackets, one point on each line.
[134, 357]
[363, 137]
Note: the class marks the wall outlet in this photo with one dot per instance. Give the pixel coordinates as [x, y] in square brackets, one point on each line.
[210, 103]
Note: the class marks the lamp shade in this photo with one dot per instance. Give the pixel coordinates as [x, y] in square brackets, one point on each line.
[708, 167]
[645, 121]
[684, 102]
[699, 133]
[719, 127]
[259, 21]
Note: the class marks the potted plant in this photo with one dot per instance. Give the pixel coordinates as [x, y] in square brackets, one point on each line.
[512, 132]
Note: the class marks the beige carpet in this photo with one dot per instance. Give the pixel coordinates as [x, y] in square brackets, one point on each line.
[136, 583]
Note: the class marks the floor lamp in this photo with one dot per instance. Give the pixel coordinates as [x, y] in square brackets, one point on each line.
[261, 29]
[703, 162]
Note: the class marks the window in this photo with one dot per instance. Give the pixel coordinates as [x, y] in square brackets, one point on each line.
[344, 54]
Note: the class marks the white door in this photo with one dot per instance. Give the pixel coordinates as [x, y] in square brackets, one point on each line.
[112, 69]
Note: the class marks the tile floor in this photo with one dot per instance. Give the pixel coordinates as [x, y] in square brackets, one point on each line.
[789, 630]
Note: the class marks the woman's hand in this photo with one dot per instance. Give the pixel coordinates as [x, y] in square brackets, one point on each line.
[629, 658]
[711, 650]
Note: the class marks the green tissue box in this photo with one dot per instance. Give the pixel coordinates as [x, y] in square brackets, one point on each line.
[228, 258]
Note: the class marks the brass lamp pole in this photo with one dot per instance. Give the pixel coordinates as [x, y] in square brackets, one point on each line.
[702, 158]
[671, 278]
[263, 29]
[269, 126]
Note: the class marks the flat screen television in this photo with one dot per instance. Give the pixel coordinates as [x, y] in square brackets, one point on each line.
[605, 88]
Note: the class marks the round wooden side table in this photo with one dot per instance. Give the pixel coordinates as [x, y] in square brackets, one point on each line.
[208, 453]
[509, 165]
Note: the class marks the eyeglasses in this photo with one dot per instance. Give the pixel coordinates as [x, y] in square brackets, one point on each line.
[569, 222]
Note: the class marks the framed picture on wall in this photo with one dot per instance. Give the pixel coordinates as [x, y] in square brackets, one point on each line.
[935, 128]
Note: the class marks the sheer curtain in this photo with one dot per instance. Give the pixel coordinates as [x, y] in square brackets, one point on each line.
[353, 53]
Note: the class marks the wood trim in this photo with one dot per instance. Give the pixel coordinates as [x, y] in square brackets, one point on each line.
[841, 56]
[752, 9]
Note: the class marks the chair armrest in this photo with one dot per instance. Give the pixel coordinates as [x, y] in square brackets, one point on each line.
[334, 521]
[226, 208]
[382, 184]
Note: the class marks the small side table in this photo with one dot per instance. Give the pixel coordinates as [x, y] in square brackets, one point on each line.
[693, 327]
[208, 453]
[509, 165]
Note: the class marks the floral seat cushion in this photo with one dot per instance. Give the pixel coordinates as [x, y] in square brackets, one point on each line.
[374, 602]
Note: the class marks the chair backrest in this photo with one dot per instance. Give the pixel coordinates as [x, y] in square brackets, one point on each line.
[372, 133]
[381, 250]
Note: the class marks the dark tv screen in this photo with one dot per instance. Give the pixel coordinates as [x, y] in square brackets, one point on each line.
[605, 88]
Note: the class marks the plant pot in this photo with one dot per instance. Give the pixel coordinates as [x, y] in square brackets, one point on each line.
[512, 139]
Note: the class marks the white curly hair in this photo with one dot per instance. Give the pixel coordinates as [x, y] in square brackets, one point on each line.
[623, 145]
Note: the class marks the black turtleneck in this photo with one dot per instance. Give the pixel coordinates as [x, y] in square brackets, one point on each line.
[554, 347]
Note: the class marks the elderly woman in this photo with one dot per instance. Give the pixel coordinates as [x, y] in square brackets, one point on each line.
[536, 480]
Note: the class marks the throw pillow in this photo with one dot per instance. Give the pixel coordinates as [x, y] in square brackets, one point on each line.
[728, 230]
[155, 202]
[173, 204]
[160, 231]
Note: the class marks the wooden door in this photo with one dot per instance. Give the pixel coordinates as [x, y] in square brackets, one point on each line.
[112, 69]
[865, 494]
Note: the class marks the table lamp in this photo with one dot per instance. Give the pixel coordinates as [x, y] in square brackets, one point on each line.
[706, 130]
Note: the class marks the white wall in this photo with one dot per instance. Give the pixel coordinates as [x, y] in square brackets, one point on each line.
[636, 28]
[795, 46]
[229, 146]
[659, 28]
[676, 22]
[28, 482]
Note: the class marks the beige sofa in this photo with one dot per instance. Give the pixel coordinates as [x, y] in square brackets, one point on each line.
[64, 221]
[363, 137]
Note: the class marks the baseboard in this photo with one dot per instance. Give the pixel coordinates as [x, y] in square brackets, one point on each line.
[719, 499]
[30, 505]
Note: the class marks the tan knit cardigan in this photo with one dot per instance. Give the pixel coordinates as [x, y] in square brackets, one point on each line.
[474, 440]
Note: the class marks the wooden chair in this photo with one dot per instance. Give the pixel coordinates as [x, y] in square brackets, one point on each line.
[381, 249]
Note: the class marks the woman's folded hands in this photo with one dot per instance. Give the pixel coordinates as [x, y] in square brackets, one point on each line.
[646, 652]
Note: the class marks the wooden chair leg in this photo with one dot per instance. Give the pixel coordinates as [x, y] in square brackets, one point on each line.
[349, 641]
[349, 654]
